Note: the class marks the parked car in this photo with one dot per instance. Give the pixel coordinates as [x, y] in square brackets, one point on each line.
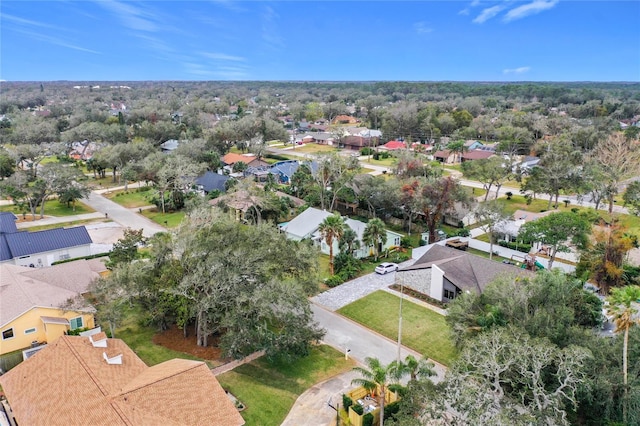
[385, 267]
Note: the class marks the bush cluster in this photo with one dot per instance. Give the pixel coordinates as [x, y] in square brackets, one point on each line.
[525, 248]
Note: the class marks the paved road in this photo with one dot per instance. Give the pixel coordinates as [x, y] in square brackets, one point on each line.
[122, 215]
[341, 333]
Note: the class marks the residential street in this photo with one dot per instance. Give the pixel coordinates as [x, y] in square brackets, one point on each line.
[343, 334]
[123, 216]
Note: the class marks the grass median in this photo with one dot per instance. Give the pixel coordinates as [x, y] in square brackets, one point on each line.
[423, 330]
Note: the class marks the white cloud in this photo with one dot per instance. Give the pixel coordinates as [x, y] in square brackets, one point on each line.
[422, 28]
[29, 22]
[56, 41]
[532, 8]
[270, 33]
[488, 13]
[223, 57]
[520, 70]
[131, 16]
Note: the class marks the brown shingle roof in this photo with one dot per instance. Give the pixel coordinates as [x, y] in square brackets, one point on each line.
[464, 270]
[477, 154]
[69, 383]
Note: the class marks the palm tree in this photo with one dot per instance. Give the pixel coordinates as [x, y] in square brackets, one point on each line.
[331, 228]
[377, 378]
[375, 234]
[457, 148]
[422, 368]
[621, 306]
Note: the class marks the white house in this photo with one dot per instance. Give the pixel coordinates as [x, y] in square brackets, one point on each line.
[306, 224]
[443, 273]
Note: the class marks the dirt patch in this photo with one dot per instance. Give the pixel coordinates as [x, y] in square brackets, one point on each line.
[174, 339]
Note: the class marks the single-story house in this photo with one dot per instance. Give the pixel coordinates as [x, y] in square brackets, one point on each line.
[476, 154]
[470, 145]
[211, 182]
[33, 306]
[306, 224]
[445, 156]
[94, 380]
[443, 273]
[251, 160]
[393, 146]
[357, 142]
[40, 248]
[286, 169]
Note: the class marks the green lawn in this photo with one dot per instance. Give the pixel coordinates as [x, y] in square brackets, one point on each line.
[474, 192]
[269, 390]
[422, 329]
[168, 220]
[518, 202]
[312, 148]
[131, 198]
[385, 162]
[51, 208]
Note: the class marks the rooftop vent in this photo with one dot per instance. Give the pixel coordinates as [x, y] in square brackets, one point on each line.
[114, 360]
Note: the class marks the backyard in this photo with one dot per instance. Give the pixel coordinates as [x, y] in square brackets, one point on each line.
[422, 329]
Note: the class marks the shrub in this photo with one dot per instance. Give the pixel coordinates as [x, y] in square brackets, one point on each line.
[405, 242]
[391, 409]
[509, 194]
[523, 247]
[401, 257]
[464, 232]
[276, 157]
[77, 331]
[346, 265]
[333, 281]
[566, 203]
[357, 408]
[366, 151]
[376, 155]
[367, 420]
[422, 243]
[346, 402]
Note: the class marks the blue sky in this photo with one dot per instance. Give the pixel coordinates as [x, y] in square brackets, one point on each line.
[531, 40]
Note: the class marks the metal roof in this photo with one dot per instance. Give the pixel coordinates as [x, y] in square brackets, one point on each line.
[27, 243]
[8, 223]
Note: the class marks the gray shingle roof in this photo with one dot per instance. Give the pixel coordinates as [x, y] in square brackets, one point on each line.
[26, 243]
[211, 181]
[466, 271]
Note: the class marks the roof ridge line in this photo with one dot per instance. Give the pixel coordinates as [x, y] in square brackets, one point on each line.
[84, 365]
[121, 393]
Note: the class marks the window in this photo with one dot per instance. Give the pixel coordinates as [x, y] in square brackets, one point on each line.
[396, 241]
[7, 334]
[30, 330]
[75, 323]
[448, 294]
